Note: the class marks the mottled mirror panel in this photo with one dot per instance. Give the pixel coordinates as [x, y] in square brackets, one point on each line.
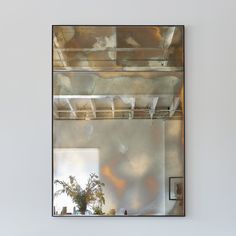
[118, 121]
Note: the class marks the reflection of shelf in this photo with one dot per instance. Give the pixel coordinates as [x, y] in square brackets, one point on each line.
[97, 107]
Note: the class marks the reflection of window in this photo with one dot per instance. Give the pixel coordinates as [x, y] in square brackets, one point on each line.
[77, 162]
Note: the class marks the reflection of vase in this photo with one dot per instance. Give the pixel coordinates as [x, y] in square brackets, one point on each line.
[82, 208]
[82, 204]
[82, 211]
[78, 213]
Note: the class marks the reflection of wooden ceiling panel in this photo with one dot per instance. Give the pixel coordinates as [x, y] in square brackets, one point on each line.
[117, 83]
[140, 37]
[118, 48]
[81, 37]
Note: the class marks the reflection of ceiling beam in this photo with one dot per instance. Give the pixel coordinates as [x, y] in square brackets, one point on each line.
[132, 107]
[113, 107]
[135, 107]
[71, 108]
[60, 53]
[131, 101]
[118, 69]
[55, 110]
[153, 106]
[168, 40]
[174, 106]
[169, 36]
[177, 74]
[107, 49]
[117, 110]
[93, 107]
[123, 97]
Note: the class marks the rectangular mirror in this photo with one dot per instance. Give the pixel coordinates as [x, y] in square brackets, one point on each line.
[118, 120]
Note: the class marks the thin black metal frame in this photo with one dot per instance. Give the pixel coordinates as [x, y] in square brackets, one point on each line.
[52, 168]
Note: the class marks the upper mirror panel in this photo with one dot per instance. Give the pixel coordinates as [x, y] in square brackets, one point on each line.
[133, 68]
[118, 48]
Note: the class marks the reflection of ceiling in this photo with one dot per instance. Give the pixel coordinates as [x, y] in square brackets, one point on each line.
[95, 67]
[87, 107]
[125, 48]
[117, 83]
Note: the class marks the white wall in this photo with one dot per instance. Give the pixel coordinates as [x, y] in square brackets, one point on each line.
[25, 127]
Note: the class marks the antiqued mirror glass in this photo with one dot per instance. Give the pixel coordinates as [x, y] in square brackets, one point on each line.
[118, 120]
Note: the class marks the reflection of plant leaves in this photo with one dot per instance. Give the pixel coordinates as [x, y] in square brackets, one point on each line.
[92, 195]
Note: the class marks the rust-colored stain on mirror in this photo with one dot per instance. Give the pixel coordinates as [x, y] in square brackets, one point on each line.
[118, 120]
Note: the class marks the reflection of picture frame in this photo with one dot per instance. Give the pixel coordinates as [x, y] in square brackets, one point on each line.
[176, 188]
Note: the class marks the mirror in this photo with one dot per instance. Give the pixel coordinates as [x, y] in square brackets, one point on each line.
[118, 120]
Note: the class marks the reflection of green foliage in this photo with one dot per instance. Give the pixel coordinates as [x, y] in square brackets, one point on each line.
[92, 195]
[98, 210]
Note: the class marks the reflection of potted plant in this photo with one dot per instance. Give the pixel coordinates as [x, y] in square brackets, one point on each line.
[92, 195]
